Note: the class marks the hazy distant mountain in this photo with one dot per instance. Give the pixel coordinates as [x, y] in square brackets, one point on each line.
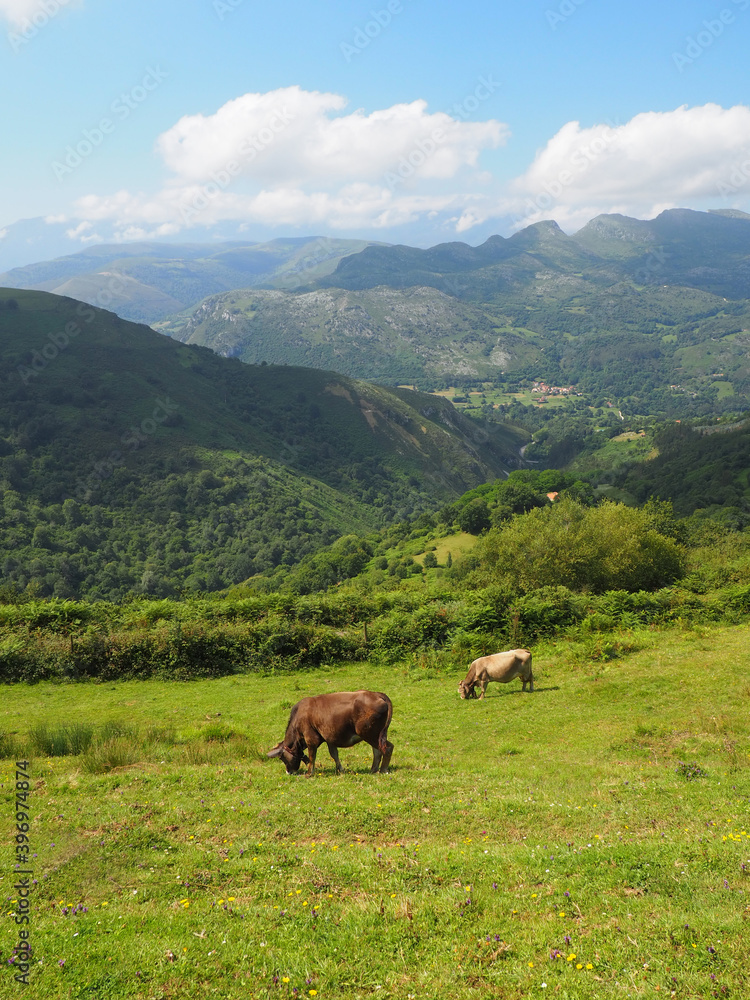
[148, 281]
[703, 250]
[623, 307]
[30, 240]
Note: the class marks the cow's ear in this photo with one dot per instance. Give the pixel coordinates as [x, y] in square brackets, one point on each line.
[276, 752]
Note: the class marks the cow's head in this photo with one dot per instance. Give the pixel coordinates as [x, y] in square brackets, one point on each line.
[291, 756]
[466, 690]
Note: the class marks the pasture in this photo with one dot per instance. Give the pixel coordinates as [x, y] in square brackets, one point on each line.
[589, 840]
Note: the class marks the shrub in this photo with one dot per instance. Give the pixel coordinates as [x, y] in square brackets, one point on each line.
[609, 547]
[544, 613]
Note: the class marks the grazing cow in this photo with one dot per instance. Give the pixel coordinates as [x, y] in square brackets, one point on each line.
[339, 720]
[501, 667]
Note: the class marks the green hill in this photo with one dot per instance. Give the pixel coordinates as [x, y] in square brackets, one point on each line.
[410, 335]
[131, 462]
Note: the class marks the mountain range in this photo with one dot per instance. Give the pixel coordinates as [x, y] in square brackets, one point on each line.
[651, 314]
[656, 310]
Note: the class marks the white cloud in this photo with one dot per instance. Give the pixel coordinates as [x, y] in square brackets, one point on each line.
[298, 158]
[291, 157]
[30, 13]
[294, 136]
[684, 158]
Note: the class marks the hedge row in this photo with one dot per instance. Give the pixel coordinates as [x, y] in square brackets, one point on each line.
[298, 634]
[173, 653]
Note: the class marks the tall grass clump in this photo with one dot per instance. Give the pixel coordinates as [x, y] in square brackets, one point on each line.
[70, 739]
[9, 746]
[110, 754]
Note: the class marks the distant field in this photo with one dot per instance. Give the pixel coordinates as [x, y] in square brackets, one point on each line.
[496, 397]
[589, 840]
[456, 545]
[615, 452]
[724, 389]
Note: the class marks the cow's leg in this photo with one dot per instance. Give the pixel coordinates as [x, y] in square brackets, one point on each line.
[483, 686]
[311, 766]
[530, 683]
[386, 757]
[376, 758]
[333, 751]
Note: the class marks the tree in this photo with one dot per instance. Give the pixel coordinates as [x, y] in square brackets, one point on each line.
[474, 518]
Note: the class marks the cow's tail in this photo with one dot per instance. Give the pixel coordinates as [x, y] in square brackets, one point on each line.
[383, 737]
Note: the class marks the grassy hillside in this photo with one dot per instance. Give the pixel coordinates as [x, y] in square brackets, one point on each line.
[419, 334]
[129, 461]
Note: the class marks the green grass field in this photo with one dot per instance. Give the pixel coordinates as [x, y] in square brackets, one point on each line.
[587, 840]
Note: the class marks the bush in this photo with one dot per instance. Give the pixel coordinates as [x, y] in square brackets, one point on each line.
[545, 613]
[609, 547]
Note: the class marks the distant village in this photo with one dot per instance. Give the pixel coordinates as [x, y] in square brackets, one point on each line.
[553, 390]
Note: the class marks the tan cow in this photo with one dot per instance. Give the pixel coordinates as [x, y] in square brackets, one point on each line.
[339, 720]
[502, 667]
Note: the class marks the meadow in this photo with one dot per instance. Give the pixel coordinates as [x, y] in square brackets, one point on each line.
[588, 840]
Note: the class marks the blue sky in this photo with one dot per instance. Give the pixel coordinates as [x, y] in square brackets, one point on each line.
[402, 120]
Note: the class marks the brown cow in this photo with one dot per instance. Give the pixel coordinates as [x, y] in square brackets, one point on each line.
[339, 720]
[501, 667]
